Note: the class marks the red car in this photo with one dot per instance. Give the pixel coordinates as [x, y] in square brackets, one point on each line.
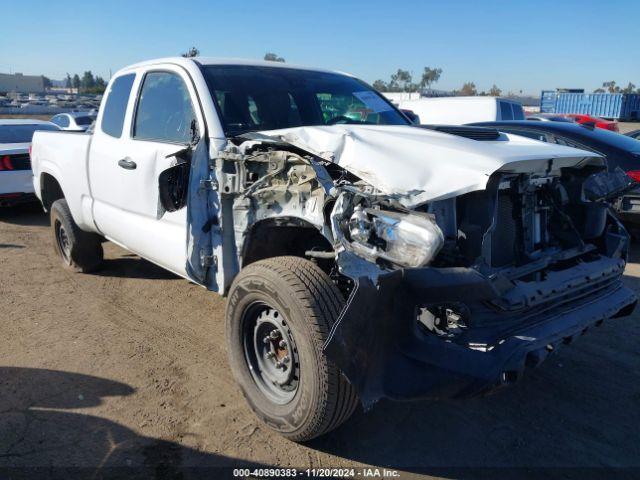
[597, 121]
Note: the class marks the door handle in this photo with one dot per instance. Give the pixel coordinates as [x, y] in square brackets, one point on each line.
[127, 163]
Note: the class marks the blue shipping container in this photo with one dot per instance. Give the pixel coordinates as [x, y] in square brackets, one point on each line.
[548, 101]
[617, 106]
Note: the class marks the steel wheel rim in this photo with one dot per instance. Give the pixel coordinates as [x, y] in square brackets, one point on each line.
[64, 245]
[270, 352]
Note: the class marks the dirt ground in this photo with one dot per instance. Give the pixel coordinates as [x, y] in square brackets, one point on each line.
[127, 367]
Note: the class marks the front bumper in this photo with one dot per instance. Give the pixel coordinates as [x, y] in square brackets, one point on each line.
[380, 347]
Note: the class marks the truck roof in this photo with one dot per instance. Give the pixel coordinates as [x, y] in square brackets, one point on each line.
[189, 62]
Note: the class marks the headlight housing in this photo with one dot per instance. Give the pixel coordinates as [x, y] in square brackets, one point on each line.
[406, 239]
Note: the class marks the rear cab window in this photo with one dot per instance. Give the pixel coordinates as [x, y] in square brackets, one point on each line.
[518, 111]
[512, 111]
[505, 111]
[115, 107]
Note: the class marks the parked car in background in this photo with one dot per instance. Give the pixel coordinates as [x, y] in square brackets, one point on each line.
[461, 110]
[16, 184]
[548, 117]
[574, 118]
[620, 150]
[74, 121]
[634, 134]
[589, 119]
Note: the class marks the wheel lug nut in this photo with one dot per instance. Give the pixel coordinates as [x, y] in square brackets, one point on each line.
[278, 364]
[274, 334]
[266, 340]
[286, 359]
[270, 354]
[282, 344]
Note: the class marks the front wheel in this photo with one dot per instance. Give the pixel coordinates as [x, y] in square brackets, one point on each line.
[279, 315]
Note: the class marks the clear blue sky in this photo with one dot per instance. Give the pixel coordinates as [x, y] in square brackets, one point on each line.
[519, 45]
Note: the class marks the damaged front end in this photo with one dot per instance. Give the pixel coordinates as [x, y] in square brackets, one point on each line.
[446, 297]
[524, 267]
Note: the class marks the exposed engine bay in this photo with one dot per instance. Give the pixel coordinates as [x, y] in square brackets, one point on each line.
[521, 218]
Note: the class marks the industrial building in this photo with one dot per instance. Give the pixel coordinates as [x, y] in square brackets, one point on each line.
[20, 83]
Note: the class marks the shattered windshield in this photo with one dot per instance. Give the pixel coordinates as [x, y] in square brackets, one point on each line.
[253, 98]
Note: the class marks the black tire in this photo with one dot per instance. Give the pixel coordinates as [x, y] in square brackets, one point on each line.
[80, 251]
[309, 303]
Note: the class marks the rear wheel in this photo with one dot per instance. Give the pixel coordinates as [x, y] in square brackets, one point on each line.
[80, 251]
[278, 317]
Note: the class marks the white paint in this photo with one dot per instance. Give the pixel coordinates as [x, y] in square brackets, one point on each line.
[457, 110]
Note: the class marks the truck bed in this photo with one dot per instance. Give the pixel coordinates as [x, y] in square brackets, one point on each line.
[63, 155]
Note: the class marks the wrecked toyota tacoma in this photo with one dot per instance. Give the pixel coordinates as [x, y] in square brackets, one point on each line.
[362, 257]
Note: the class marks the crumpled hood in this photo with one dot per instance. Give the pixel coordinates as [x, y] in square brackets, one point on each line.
[419, 165]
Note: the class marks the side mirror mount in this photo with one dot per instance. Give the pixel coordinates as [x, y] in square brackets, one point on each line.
[173, 184]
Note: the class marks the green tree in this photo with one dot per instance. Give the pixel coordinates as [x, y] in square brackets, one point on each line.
[401, 81]
[76, 81]
[495, 91]
[630, 88]
[468, 89]
[380, 85]
[429, 77]
[272, 57]
[599, 90]
[46, 82]
[68, 83]
[88, 82]
[611, 86]
[192, 52]
[99, 86]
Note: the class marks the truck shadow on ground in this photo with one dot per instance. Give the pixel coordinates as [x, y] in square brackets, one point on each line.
[28, 214]
[132, 266]
[577, 413]
[40, 435]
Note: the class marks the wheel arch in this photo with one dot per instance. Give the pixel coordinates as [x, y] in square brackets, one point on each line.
[50, 190]
[283, 236]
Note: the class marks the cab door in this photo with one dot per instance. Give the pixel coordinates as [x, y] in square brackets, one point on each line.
[162, 121]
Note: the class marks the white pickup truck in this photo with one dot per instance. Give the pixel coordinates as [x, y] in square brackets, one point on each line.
[362, 257]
